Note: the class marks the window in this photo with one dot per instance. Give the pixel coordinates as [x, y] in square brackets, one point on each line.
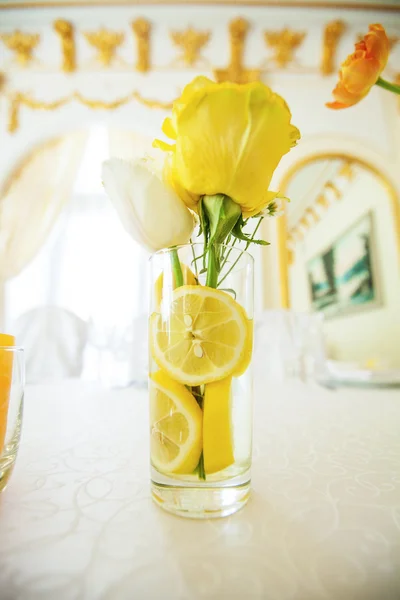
[89, 265]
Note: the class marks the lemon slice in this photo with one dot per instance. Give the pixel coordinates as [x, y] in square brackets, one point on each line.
[176, 426]
[189, 278]
[6, 367]
[217, 426]
[201, 338]
[244, 363]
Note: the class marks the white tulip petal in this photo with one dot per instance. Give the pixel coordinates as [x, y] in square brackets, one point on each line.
[118, 179]
[149, 209]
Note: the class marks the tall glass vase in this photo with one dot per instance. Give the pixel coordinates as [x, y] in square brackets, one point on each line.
[200, 380]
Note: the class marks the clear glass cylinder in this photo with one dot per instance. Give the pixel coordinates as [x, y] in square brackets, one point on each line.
[12, 378]
[200, 381]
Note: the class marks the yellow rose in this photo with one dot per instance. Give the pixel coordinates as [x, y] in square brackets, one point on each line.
[229, 139]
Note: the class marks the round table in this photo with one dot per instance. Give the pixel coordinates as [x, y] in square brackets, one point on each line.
[323, 522]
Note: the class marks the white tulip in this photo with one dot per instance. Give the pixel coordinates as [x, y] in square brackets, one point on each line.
[149, 209]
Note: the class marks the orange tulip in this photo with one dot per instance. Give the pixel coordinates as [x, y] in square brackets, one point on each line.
[361, 70]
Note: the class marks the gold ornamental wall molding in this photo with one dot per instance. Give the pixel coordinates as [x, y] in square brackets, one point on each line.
[21, 44]
[236, 71]
[283, 46]
[333, 33]
[381, 5]
[142, 30]
[191, 42]
[66, 33]
[106, 43]
[284, 43]
[329, 194]
[18, 99]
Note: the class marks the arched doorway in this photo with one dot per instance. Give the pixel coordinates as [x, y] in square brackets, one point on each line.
[340, 252]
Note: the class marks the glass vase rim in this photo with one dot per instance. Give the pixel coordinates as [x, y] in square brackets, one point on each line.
[189, 245]
[13, 348]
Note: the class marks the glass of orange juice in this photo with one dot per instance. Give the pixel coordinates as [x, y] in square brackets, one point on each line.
[11, 403]
[200, 382]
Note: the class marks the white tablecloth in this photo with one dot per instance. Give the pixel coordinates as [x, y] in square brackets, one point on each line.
[323, 522]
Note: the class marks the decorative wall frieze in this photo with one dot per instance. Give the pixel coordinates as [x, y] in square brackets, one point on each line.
[313, 214]
[21, 44]
[190, 42]
[322, 200]
[141, 30]
[65, 31]
[333, 33]
[106, 43]
[329, 194]
[236, 71]
[347, 170]
[19, 99]
[284, 43]
[331, 185]
[285, 49]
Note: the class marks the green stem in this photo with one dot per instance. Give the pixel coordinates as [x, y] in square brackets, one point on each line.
[225, 258]
[176, 267]
[386, 85]
[200, 467]
[196, 391]
[229, 251]
[211, 281]
[238, 258]
[212, 268]
[194, 260]
[218, 219]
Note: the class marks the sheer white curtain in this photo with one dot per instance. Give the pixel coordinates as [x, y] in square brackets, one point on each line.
[128, 144]
[34, 201]
[90, 266]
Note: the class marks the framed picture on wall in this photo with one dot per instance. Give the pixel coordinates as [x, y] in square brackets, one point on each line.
[342, 279]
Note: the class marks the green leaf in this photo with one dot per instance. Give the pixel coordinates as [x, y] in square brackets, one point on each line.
[238, 233]
[230, 291]
[196, 258]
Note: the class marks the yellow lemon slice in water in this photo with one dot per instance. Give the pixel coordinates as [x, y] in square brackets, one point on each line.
[244, 363]
[189, 278]
[6, 367]
[217, 426]
[201, 337]
[176, 426]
